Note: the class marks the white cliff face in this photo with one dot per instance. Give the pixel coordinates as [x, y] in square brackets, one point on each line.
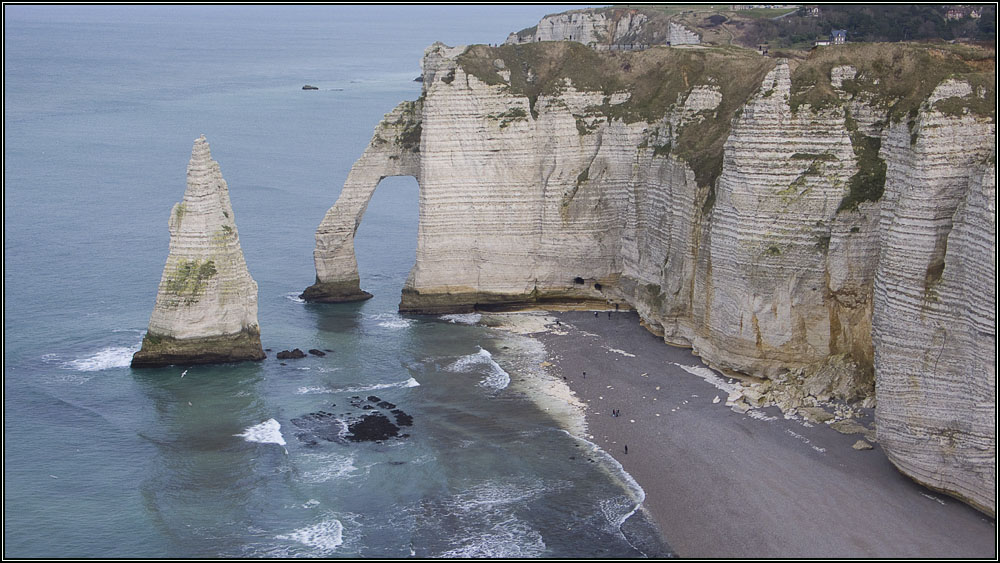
[206, 305]
[810, 250]
[677, 34]
[764, 302]
[934, 325]
[611, 27]
[512, 204]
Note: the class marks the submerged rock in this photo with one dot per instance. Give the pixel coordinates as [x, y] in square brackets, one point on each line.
[291, 355]
[316, 352]
[370, 425]
[310, 87]
[206, 305]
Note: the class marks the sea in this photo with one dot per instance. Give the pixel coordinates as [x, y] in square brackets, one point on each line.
[101, 108]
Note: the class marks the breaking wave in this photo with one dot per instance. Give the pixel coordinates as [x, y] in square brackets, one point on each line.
[108, 358]
[325, 537]
[267, 432]
[482, 361]
[318, 390]
[462, 319]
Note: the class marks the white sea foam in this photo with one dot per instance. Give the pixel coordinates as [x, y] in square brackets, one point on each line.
[317, 390]
[401, 384]
[313, 390]
[108, 358]
[617, 509]
[463, 318]
[325, 536]
[392, 320]
[510, 539]
[328, 467]
[495, 494]
[496, 377]
[294, 297]
[267, 432]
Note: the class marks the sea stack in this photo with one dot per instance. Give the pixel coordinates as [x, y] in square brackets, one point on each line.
[206, 306]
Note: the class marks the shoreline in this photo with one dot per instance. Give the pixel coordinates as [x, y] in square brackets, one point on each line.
[720, 483]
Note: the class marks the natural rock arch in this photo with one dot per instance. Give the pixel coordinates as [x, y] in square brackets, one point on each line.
[393, 151]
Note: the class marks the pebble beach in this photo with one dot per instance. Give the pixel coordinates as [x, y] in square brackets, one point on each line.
[725, 483]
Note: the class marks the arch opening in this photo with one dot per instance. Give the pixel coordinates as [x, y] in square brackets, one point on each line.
[385, 242]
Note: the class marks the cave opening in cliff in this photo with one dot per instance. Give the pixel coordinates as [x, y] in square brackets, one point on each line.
[386, 241]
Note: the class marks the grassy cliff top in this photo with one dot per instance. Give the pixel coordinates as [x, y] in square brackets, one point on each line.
[799, 27]
[897, 76]
[657, 79]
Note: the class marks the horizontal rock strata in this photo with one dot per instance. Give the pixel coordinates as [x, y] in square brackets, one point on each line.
[206, 305]
[814, 217]
[934, 324]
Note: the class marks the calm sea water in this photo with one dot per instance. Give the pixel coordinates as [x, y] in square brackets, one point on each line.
[101, 108]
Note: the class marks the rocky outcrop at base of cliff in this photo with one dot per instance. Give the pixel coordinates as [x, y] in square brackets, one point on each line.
[206, 305]
[164, 351]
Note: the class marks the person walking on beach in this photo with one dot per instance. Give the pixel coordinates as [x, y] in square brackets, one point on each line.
[626, 449]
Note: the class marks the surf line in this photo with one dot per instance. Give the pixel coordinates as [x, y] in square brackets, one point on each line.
[632, 486]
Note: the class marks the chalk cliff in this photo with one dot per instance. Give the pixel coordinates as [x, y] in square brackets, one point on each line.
[604, 27]
[206, 305]
[826, 216]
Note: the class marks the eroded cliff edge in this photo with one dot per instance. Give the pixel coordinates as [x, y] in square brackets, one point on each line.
[206, 304]
[823, 214]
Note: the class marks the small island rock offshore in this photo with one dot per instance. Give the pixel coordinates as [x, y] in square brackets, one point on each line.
[206, 306]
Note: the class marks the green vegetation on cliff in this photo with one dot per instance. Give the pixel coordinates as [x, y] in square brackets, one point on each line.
[189, 278]
[898, 77]
[657, 79]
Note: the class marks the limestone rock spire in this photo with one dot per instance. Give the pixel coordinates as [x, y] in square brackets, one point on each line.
[206, 306]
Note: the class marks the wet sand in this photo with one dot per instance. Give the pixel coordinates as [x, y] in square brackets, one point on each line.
[722, 484]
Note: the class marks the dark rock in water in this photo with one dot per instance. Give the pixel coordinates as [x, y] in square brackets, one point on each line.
[372, 428]
[267, 349]
[373, 399]
[367, 424]
[402, 418]
[293, 355]
[321, 424]
[316, 352]
[327, 350]
[310, 87]
[397, 463]
[419, 78]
